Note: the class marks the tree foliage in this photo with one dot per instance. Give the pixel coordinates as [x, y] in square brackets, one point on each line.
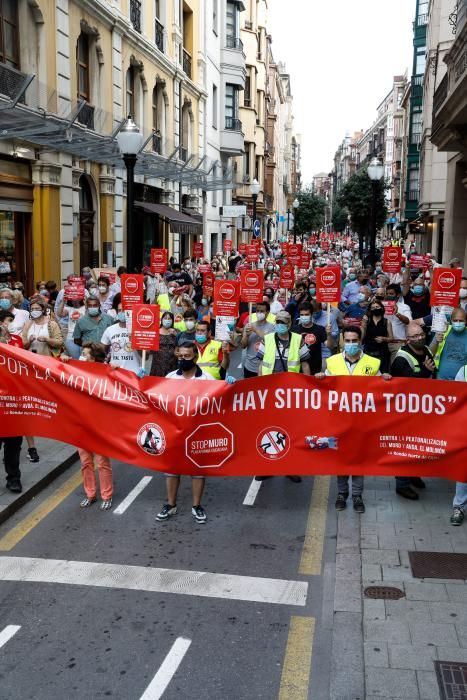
[357, 197]
[310, 214]
[340, 217]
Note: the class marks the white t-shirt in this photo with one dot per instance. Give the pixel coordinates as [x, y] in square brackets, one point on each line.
[399, 329]
[176, 375]
[73, 315]
[121, 352]
[21, 316]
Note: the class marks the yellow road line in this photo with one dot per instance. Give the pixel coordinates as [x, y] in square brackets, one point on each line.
[15, 535]
[312, 553]
[296, 670]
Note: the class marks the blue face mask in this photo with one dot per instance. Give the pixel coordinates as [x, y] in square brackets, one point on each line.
[418, 289]
[281, 328]
[121, 316]
[458, 326]
[5, 304]
[312, 291]
[352, 276]
[200, 338]
[304, 320]
[352, 349]
[361, 297]
[93, 311]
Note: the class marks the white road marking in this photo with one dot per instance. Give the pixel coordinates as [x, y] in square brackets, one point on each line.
[126, 503]
[252, 492]
[172, 661]
[8, 633]
[142, 578]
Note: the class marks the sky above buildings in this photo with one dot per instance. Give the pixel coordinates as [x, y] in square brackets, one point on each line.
[341, 56]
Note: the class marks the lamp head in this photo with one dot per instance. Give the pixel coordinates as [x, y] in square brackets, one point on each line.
[129, 138]
[255, 187]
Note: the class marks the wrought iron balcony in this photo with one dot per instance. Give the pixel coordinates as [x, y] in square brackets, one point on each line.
[441, 94]
[159, 35]
[416, 138]
[135, 14]
[232, 42]
[186, 63]
[233, 124]
[86, 116]
[11, 81]
[412, 195]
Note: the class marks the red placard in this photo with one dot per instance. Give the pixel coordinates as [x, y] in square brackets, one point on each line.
[445, 286]
[287, 277]
[252, 286]
[328, 284]
[226, 297]
[208, 283]
[205, 267]
[242, 248]
[73, 292]
[158, 260]
[252, 254]
[75, 279]
[392, 259]
[132, 290]
[389, 308]
[305, 259]
[198, 250]
[295, 251]
[227, 245]
[419, 262]
[285, 249]
[145, 324]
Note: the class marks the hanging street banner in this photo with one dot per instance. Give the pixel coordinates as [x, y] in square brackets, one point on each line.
[280, 424]
[446, 286]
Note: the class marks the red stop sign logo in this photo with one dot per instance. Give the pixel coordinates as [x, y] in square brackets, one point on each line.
[446, 280]
[328, 279]
[146, 318]
[209, 445]
[392, 255]
[131, 285]
[227, 291]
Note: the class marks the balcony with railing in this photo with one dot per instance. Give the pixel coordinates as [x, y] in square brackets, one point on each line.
[187, 63]
[11, 81]
[413, 195]
[417, 86]
[86, 116]
[159, 35]
[232, 137]
[233, 124]
[135, 14]
[233, 42]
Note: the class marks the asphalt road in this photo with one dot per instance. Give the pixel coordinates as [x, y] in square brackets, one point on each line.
[219, 610]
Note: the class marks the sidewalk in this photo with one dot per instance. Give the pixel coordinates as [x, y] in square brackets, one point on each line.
[55, 458]
[387, 648]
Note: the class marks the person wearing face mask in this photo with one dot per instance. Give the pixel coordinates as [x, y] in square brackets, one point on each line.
[117, 342]
[463, 294]
[274, 304]
[188, 369]
[42, 334]
[314, 336]
[204, 309]
[86, 273]
[188, 335]
[22, 302]
[282, 350]
[116, 287]
[164, 360]
[351, 362]
[213, 356]
[269, 271]
[416, 296]
[90, 327]
[351, 292]
[21, 316]
[104, 295]
[377, 334]
[72, 312]
[6, 335]
[355, 312]
[181, 277]
[254, 331]
[450, 348]
[300, 294]
[320, 317]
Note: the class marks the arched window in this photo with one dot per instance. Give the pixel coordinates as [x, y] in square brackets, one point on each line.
[82, 67]
[130, 91]
[85, 195]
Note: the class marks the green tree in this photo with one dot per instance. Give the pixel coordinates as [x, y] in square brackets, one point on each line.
[310, 213]
[340, 217]
[357, 197]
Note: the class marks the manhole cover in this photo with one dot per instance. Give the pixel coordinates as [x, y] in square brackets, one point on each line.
[384, 592]
[438, 565]
[452, 680]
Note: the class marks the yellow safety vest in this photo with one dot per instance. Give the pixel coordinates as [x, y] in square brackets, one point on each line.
[269, 359]
[164, 302]
[208, 359]
[440, 349]
[367, 366]
[179, 325]
[270, 318]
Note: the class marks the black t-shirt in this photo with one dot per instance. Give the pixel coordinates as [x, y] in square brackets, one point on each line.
[419, 306]
[182, 278]
[313, 337]
[233, 261]
[401, 368]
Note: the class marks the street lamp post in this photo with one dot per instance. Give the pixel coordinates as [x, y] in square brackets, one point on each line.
[288, 222]
[254, 190]
[375, 173]
[130, 140]
[295, 205]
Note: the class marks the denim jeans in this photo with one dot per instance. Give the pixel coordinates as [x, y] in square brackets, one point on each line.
[343, 485]
[460, 499]
[72, 350]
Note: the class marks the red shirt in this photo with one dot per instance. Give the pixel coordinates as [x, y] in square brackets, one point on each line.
[16, 341]
[202, 348]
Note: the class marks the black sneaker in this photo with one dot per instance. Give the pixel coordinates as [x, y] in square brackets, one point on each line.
[457, 517]
[417, 482]
[358, 505]
[341, 501]
[199, 514]
[166, 512]
[14, 486]
[295, 479]
[33, 455]
[407, 492]
[262, 478]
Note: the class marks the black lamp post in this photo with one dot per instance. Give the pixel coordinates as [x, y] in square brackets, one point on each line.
[130, 140]
[254, 190]
[375, 173]
[295, 205]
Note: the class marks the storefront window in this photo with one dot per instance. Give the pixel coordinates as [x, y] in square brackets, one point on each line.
[7, 245]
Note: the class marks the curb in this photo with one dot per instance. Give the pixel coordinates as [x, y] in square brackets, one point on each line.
[36, 488]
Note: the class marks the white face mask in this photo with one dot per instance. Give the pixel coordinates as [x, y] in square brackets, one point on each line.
[189, 325]
[11, 327]
[36, 313]
[83, 358]
[260, 316]
[103, 290]
[463, 293]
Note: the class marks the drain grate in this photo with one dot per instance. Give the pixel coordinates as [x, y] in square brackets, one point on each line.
[438, 565]
[384, 592]
[452, 680]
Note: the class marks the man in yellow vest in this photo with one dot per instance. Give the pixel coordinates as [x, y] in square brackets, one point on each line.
[352, 362]
[214, 356]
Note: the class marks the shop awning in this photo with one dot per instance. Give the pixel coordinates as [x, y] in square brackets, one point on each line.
[179, 221]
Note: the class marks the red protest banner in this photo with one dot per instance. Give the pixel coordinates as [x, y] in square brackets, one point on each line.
[252, 253]
[166, 425]
[392, 259]
[287, 277]
[158, 260]
[252, 286]
[226, 297]
[205, 267]
[285, 249]
[73, 292]
[328, 284]
[198, 250]
[389, 308]
[132, 290]
[145, 325]
[227, 245]
[208, 283]
[445, 286]
[305, 259]
[295, 251]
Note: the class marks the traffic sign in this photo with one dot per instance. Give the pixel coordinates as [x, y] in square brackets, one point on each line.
[257, 229]
[233, 210]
